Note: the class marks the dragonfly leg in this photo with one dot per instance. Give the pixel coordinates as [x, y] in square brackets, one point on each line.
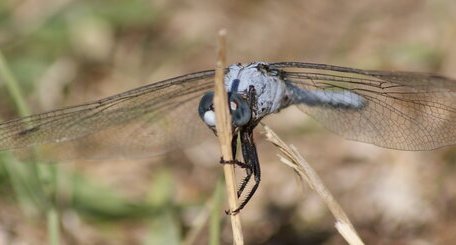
[251, 160]
[248, 170]
[245, 181]
[234, 161]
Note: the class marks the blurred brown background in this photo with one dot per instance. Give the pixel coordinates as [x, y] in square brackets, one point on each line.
[64, 52]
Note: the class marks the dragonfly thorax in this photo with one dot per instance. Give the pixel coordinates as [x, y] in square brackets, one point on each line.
[269, 89]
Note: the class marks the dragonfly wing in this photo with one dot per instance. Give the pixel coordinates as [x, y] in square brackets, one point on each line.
[146, 120]
[406, 111]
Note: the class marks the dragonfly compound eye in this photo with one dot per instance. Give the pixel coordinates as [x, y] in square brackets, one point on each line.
[206, 109]
[240, 110]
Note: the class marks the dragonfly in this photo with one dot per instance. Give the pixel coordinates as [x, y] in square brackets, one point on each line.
[398, 110]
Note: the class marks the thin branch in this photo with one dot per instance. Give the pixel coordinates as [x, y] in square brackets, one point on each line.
[294, 160]
[224, 133]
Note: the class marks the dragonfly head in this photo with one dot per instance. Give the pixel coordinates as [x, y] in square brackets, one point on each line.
[241, 114]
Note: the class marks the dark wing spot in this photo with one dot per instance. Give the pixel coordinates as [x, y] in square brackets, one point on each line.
[28, 131]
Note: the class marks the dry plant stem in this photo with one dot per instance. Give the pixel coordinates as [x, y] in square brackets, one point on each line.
[294, 160]
[224, 133]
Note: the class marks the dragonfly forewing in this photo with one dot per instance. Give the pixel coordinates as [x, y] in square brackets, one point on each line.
[141, 122]
[405, 111]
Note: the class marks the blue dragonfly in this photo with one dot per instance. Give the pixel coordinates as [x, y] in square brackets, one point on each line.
[397, 110]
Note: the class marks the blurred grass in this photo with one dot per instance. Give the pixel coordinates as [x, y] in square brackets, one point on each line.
[163, 228]
[54, 36]
[215, 219]
[46, 189]
[25, 178]
[36, 188]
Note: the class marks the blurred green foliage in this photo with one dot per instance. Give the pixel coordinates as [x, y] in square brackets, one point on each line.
[32, 45]
[47, 190]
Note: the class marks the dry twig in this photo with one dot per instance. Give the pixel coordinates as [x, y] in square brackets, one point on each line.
[294, 160]
[224, 133]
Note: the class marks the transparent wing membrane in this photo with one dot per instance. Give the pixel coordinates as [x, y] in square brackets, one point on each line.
[145, 120]
[406, 111]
